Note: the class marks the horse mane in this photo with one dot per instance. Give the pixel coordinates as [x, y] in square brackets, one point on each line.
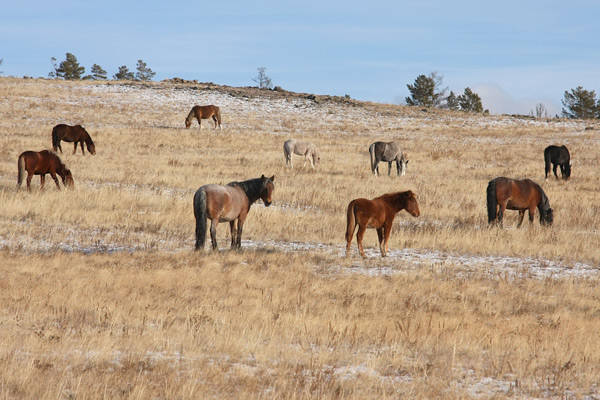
[251, 187]
[395, 195]
[191, 114]
[544, 203]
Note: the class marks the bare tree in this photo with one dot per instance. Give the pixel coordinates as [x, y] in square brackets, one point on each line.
[541, 111]
[264, 82]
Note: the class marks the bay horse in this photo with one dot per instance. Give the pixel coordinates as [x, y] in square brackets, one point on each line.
[558, 156]
[301, 148]
[378, 214]
[388, 152]
[75, 134]
[204, 112]
[227, 204]
[42, 163]
[512, 194]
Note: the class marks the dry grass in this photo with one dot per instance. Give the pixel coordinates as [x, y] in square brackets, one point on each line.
[102, 296]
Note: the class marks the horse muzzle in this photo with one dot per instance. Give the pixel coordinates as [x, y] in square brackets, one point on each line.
[267, 203]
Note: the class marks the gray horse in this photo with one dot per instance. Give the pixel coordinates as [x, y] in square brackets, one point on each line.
[301, 148]
[388, 152]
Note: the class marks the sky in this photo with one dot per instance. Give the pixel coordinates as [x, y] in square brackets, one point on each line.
[514, 54]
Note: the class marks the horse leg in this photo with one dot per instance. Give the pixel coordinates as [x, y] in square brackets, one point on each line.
[531, 215]
[397, 167]
[240, 226]
[233, 232]
[389, 168]
[53, 175]
[387, 229]
[74, 147]
[501, 209]
[381, 243]
[59, 147]
[214, 117]
[42, 181]
[359, 238]
[82, 151]
[554, 166]
[213, 233]
[29, 176]
[521, 215]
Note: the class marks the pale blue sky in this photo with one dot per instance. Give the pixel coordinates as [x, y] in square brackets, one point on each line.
[514, 54]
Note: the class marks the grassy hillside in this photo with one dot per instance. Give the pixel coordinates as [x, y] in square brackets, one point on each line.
[102, 294]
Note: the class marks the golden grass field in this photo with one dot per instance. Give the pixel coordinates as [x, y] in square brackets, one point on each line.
[102, 295]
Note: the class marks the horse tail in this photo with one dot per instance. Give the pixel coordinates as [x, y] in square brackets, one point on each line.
[492, 201]
[55, 139]
[218, 115]
[350, 221]
[201, 217]
[372, 153]
[547, 161]
[21, 169]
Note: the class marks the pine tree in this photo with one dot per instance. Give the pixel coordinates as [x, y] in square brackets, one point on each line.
[124, 74]
[98, 74]
[452, 101]
[69, 69]
[144, 73]
[470, 101]
[427, 91]
[580, 103]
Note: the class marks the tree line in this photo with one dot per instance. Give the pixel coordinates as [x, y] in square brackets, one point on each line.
[70, 69]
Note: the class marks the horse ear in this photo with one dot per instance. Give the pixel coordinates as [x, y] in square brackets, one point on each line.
[262, 178]
[272, 178]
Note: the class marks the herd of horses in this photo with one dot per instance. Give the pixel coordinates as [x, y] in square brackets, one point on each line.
[231, 203]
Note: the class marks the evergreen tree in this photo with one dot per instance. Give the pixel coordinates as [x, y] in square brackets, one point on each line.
[470, 101]
[144, 73]
[69, 69]
[452, 101]
[580, 103]
[124, 74]
[427, 91]
[98, 74]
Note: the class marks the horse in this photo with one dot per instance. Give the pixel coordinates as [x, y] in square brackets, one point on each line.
[73, 134]
[378, 214]
[301, 148]
[388, 152]
[505, 193]
[204, 112]
[558, 156]
[42, 163]
[228, 204]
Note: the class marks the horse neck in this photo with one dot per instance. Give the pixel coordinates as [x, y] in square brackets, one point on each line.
[191, 115]
[252, 188]
[544, 203]
[396, 201]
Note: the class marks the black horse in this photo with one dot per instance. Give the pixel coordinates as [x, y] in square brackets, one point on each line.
[558, 156]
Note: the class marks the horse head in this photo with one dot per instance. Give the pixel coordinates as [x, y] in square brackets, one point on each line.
[67, 179]
[403, 165]
[412, 206]
[566, 172]
[267, 189]
[188, 123]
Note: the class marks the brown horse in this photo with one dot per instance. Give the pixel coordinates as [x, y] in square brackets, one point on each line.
[505, 193]
[42, 163]
[75, 134]
[379, 214]
[228, 204]
[204, 112]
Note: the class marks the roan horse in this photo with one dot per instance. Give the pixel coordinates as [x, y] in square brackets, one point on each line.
[42, 163]
[388, 152]
[505, 193]
[301, 148]
[558, 156]
[75, 134]
[204, 112]
[228, 204]
[379, 214]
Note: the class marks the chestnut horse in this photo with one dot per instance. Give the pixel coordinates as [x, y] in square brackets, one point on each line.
[204, 112]
[505, 193]
[42, 163]
[75, 134]
[379, 214]
[228, 204]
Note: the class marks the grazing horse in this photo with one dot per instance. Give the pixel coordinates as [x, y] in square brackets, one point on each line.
[558, 156]
[301, 148]
[42, 163]
[505, 193]
[379, 214]
[75, 134]
[204, 112]
[388, 152]
[228, 204]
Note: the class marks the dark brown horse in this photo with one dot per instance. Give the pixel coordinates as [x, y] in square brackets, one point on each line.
[204, 112]
[558, 156]
[228, 204]
[379, 214]
[75, 134]
[505, 193]
[42, 163]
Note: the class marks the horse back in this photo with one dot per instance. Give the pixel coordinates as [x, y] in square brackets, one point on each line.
[371, 213]
[224, 202]
[519, 194]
